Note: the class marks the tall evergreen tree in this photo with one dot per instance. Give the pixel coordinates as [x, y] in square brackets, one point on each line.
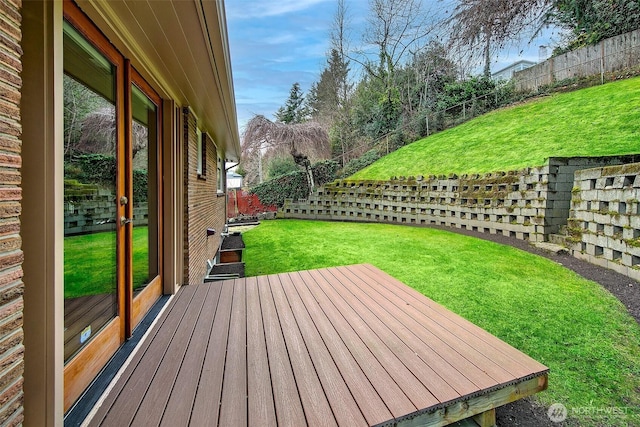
[294, 109]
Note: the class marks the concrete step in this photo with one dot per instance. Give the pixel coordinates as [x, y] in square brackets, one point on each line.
[551, 247]
[559, 239]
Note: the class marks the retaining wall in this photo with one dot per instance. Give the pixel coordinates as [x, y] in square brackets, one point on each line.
[97, 212]
[529, 204]
[604, 223]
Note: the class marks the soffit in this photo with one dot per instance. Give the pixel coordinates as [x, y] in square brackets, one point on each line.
[182, 49]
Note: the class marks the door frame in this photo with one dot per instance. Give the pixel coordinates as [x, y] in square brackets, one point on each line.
[82, 368]
[137, 306]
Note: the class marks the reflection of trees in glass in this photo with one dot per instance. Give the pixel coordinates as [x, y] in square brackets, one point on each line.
[90, 123]
[79, 102]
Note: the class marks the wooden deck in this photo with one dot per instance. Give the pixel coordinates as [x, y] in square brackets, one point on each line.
[346, 346]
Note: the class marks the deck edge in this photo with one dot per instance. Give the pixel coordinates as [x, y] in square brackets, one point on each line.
[474, 404]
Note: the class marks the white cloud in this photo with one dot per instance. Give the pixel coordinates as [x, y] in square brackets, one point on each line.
[280, 39]
[245, 9]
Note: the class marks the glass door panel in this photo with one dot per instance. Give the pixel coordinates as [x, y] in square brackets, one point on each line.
[90, 188]
[144, 140]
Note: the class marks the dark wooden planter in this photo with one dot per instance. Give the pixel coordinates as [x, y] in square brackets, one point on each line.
[231, 248]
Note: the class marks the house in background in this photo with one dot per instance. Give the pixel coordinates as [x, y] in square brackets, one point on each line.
[234, 180]
[116, 122]
[507, 72]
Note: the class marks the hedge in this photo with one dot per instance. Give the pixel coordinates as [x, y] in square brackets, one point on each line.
[100, 169]
[294, 185]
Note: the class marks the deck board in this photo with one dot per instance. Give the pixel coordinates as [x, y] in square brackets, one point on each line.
[206, 407]
[260, 397]
[299, 395]
[233, 407]
[343, 346]
[448, 319]
[179, 405]
[371, 404]
[392, 395]
[343, 405]
[460, 364]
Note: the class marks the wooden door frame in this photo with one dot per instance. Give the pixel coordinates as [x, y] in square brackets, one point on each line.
[137, 307]
[80, 370]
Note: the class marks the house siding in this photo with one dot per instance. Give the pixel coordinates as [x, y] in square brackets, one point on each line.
[11, 257]
[203, 208]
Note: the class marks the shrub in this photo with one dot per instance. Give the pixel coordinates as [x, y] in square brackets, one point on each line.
[100, 170]
[294, 185]
[281, 166]
[361, 162]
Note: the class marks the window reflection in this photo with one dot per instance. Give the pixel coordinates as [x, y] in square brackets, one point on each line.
[90, 241]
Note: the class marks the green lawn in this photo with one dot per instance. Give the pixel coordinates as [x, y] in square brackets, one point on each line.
[598, 121]
[90, 262]
[572, 325]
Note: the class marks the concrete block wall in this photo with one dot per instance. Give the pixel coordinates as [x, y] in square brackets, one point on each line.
[530, 204]
[507, 203]
[561, 182]
[604, 223]
[97, 212]
[11, 256]
[203, 207]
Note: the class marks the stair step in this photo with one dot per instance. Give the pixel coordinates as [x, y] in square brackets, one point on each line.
[559, 239]
[551, 247]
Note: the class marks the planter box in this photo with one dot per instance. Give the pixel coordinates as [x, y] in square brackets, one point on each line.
[226, 271]
[231, 248]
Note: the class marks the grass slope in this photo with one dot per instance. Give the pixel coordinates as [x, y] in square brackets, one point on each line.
[580, 331]
[598, 121]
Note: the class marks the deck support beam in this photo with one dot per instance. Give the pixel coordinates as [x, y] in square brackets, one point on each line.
[478, 406]
[486, 418]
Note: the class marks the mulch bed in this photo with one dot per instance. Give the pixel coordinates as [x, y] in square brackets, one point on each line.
[527, 412]
[228, 268]
[231, 242]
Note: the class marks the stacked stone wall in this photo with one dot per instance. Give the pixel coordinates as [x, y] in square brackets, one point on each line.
[98, 212]
[604, 223]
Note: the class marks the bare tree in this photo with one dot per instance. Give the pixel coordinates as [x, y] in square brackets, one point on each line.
[99, 133]
[395, 26]
[305, 142]
[481, 27]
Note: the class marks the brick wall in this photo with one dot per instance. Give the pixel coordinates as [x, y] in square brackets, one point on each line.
[11, 286]
[604, 224]
[203, 207]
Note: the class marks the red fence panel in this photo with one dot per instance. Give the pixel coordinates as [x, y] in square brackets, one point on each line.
[242, 202]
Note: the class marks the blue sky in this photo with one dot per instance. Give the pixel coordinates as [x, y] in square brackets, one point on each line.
[275, 43]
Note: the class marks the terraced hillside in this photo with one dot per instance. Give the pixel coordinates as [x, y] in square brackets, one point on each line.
[598, 121]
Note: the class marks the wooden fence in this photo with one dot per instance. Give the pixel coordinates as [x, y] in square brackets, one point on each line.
[610, 55]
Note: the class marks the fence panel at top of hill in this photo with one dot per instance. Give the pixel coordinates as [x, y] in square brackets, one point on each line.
[610, 55]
